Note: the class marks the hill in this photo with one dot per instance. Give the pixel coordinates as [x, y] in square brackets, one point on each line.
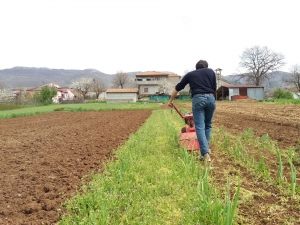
[32, 76]
[274, 82]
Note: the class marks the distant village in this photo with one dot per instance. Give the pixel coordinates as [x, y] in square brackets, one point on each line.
[149, 85]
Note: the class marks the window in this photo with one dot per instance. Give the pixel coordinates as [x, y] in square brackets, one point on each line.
[139, 79]
[145, 90]
[148, 79]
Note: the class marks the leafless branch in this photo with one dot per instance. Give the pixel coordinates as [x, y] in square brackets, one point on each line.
[82, 85]
[98, 86]
[260, 62]
[120, 79]
[293, 78]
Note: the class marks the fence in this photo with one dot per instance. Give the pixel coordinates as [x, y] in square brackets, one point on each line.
[160, 98]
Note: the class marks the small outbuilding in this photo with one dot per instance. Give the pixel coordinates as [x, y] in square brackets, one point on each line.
[236, 92]
[122, 95]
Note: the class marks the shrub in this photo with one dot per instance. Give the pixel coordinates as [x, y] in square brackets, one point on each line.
[46, 95]
[279, 93]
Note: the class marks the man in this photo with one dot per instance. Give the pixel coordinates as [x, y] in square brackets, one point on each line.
[203, 84]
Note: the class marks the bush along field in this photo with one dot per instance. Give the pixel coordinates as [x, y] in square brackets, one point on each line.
[153, 181]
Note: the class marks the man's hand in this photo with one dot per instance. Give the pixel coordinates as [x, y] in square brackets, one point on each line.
[170, 104]
[173, 95]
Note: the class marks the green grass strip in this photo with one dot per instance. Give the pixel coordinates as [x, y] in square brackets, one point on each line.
[34, 110]
[282, 101]
[152, 181]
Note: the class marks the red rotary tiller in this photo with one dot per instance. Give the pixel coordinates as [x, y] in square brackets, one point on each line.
[188, 138]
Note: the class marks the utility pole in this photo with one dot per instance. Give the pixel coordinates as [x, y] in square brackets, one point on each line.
[218, 75]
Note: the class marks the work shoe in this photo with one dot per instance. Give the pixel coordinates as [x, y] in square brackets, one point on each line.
[205, 158]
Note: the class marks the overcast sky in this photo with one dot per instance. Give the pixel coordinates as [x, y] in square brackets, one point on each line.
[145, 35]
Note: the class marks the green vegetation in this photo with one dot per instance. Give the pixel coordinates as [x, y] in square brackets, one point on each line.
[282, 101]
[279, 93]
[4, 107]
[95, 101]
[152, 181]
[45, 95]
[257, 154]
[30, 111]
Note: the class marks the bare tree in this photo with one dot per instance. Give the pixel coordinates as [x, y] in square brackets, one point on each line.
[98, 86]
[82, 85]
[120, 79]
[22, 95]
[294, 77]
[166, 87]
[4, 92]
[259, 62]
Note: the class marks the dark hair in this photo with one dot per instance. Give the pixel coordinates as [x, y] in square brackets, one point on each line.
[201, 64]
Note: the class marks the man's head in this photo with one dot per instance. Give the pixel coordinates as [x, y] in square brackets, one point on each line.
[201, 64]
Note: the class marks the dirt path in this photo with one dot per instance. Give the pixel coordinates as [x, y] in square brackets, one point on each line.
[44, 157]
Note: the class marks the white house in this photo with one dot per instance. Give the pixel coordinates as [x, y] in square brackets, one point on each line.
[153, 82]
[31, 91]
[63, 94]
[122, 95]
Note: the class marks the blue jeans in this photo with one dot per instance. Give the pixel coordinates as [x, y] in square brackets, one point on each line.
[203, 111]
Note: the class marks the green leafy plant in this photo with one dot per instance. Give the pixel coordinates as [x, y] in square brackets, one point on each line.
[279, 93]
[45, 95]
[280, 165]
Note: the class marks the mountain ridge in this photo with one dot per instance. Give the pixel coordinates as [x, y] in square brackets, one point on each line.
[35, 76]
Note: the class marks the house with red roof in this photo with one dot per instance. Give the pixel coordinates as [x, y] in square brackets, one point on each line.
[63, 93]
[154, 82]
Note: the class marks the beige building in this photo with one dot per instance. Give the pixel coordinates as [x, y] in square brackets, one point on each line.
[153, 82]
[121, 95]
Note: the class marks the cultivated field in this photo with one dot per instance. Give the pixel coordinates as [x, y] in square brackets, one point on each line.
[45, 157]
[280, 121]
[259, 142]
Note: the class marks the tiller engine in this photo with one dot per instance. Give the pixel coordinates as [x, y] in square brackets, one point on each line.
[188, 138]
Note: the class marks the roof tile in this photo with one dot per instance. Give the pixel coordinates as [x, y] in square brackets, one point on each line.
[129, 90]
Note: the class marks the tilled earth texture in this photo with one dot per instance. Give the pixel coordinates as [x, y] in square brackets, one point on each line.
[280, 121]
[44, 158]
[261, 201]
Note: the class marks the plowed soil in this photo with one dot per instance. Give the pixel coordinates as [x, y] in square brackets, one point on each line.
[44, 158]
[280, 122]
[261, 202]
